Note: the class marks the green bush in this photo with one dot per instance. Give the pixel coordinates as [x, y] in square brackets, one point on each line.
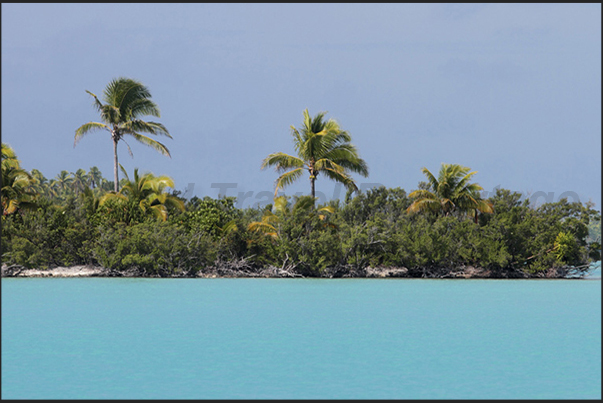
[372, 229]
[154, 247]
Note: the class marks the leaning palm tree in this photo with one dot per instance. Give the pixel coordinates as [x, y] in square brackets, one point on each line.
[322, 147]
[126, 101]
[450, 192]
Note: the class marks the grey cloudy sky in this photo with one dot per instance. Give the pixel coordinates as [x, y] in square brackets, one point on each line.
[512, 91]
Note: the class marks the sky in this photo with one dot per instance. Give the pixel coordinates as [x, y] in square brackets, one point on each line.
[512, 91]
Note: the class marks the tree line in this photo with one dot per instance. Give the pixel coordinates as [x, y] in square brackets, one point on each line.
[142, 226]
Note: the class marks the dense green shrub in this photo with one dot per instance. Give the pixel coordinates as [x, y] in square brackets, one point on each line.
[49, 236]
[209, 215]
[371, 229]
[153, 247]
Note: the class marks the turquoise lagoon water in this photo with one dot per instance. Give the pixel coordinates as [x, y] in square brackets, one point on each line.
[112, 338]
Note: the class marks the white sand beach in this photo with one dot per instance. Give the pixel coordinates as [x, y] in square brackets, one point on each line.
[72, 271]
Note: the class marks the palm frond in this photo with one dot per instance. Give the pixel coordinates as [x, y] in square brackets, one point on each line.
[263, 228]
[485, 206]
[157, 183]
[304, 203]
[280, 204]
[324, 164]
[151, 143]
[340, 177]
[97, 104]
[10, 207]
[431, 179]
[159, 211]
[424, 200]
[155, 128]
[423, 205]
[123, 170]
[111, 115]
[328, 209]
[229, 227]
[111, 196]
[282, 161]
[87, 128]
[347, 157]
[298, 141]
[175, 202]
[287, 178]
[266, 225]
[463, 184]
[122, 91]
[144, 107]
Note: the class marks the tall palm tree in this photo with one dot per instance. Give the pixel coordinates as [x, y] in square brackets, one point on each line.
[450, 192]
[126, 101]
[148, 191]
[322, 147]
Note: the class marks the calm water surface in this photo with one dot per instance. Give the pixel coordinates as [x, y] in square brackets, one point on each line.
[111, 338]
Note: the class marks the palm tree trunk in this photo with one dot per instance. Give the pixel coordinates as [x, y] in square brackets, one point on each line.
[115, 174]
[312, 180]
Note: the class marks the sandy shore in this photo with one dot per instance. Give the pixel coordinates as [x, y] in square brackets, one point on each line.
[97, 271]
[72, 271]
[274, 272]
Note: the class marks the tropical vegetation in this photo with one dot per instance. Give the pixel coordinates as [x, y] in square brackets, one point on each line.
[17, 183]
[149, 229]
[322, 147]
[126, 101]
[451, 192]
[142, 226]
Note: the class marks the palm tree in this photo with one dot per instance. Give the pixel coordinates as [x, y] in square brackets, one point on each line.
[322, 147]
[61, 184]
[126, 101]
[148, 191]
[269, 221]
[95, 177]
[269, 224]
[40, 181]
[17, 189]
[9, 157]
[80, 180]
[106, 185]
[450, 192]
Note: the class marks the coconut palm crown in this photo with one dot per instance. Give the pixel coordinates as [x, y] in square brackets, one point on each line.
[451, 191]
[16, 183]
[322, 147]
[148, 191]
[126, 101]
